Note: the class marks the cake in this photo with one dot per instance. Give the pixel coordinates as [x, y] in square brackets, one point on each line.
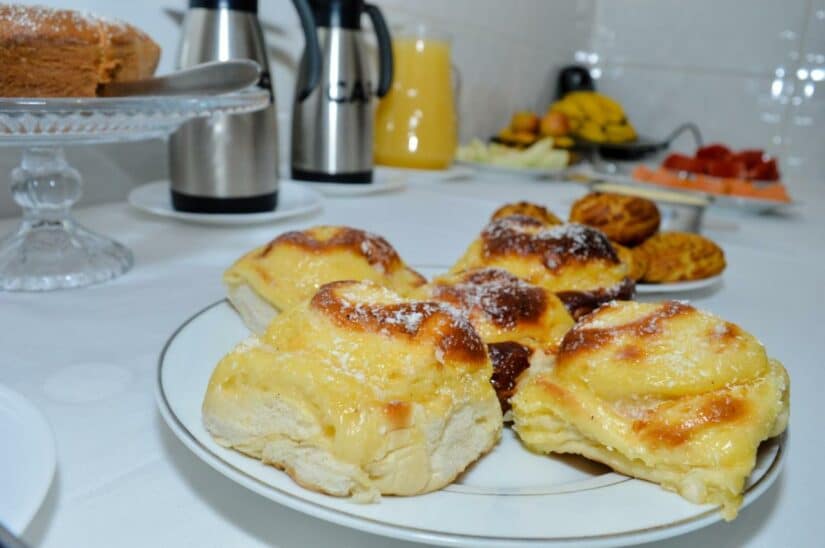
[48, 52]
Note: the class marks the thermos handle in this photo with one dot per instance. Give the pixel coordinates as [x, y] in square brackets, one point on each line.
[385, 68]
[312, 49]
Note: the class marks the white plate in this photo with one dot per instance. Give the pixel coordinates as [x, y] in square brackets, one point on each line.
[293, 200]
[511, 497]
[454, 173]
[382, 182]
[679, 287]
[528, 172]
[742, 203]
[27, 460]
[750, 205]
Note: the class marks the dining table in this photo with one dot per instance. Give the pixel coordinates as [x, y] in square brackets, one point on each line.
[87, 359]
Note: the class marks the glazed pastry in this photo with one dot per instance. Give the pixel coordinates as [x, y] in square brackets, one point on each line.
[514, 318]
[627, 220]
[575, 262]
[681, 256]
[527, 209]
[48, 52]
[359, 392]
[635, 259]
[641, 262]
[291, 268]
[662, 392]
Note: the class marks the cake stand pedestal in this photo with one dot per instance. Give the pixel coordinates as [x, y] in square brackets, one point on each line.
[50, 250]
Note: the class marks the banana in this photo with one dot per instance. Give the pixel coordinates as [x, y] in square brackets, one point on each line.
[612, 109]
[592, 131]
[569, 109]
[587, 102]
[620, 133]
[595, 117]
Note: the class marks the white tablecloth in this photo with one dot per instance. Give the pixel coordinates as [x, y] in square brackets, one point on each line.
[87, 359]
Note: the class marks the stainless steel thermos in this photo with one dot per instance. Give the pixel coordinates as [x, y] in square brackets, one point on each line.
[229, 163]
[332, 127]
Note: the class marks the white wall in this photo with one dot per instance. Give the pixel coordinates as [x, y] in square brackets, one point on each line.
[750, 73]
[507, 52]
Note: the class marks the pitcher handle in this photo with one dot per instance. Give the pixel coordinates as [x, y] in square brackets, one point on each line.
[385, 70]
[312, 49]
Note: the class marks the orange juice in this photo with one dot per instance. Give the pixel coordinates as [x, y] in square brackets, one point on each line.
[415, 124]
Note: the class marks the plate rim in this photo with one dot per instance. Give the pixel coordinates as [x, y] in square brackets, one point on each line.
[529, 172]
[679, 287]
[727, 201]
[377, 527]
[230, 219]
[47, 434]
[338, 190]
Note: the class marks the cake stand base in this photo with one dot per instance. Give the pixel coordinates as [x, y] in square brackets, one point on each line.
[62, 255]
[50, 250]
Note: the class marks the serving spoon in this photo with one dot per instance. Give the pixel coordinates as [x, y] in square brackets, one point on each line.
[213, 78]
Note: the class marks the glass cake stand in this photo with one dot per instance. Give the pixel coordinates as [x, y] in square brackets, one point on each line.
[50, 250]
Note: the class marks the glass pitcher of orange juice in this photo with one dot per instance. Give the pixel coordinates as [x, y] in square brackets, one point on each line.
[416, 122]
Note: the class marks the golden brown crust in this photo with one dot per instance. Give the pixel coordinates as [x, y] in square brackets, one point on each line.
[585, 338]
[375, 249]
[581, 303]
[628, 220]
[717, 410]
[505, 299]
[47, 52]
[453, 334]
[641, 262]
[555, 246]
[528, 209]
[290, 269]
[570, 257]
[681, 256]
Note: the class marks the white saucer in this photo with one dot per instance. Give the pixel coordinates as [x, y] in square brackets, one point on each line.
[678, 287]
[453, 173]
[293, 200]
[382, 182]
[27, 460]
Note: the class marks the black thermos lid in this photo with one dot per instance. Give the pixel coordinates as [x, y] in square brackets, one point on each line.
[337, 13]
[574, 78]
[250, 6]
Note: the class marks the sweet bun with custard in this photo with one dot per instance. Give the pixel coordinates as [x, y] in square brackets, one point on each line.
[627, 220]
[516, 319]
[681, 256]
[528, 209]
[662, 392]
[291, 268]
[359, 392]
[574, 261]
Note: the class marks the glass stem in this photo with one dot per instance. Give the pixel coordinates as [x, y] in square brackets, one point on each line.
[45, 186]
